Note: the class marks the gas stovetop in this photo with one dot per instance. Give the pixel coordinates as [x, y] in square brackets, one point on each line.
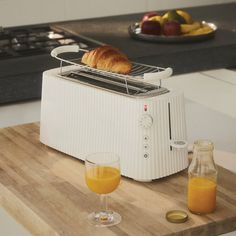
[18, 42]
[25, 54]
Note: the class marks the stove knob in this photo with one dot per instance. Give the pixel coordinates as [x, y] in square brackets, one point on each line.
[145, 121]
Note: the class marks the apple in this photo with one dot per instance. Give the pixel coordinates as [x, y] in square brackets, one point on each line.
[151, 27]
[149, 15]
[171, 28]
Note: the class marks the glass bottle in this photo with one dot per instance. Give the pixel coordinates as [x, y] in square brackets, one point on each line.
[202, 179]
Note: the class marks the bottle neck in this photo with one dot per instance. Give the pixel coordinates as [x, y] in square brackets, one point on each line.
[203, 164]
[203, 150]
[203, 155]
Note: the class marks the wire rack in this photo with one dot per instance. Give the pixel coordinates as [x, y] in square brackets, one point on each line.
[139, 70]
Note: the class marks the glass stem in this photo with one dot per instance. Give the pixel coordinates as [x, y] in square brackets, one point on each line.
[103, 200]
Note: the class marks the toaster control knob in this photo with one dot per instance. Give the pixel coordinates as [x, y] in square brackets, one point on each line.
[145, 121]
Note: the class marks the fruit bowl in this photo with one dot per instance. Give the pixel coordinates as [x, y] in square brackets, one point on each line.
[135, 32]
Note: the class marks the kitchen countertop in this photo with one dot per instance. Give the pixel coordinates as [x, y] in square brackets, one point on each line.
[219, 52]
[45, 191]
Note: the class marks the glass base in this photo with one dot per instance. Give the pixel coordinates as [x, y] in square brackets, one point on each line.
[104, 218]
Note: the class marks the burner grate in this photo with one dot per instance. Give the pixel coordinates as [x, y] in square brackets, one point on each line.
[34, 40]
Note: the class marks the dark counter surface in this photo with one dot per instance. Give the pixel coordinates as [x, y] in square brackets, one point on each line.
[219, 52]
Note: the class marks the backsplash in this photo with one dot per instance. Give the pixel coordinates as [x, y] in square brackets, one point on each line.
[26, 12]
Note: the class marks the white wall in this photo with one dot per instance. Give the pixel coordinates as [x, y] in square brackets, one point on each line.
[25, 12]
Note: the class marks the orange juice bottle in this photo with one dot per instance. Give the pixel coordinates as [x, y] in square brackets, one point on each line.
[202, 179]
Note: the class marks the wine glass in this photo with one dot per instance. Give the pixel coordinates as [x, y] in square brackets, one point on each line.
[102, 175]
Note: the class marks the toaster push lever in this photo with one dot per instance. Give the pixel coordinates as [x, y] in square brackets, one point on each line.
[178, 144]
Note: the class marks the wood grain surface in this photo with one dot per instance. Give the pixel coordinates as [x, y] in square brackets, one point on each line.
[45, 191]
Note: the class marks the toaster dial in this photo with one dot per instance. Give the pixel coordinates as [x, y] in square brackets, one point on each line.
[145, 121]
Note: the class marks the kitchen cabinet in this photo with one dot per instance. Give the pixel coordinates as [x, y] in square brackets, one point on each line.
[75, 9]
[162, 5]
[27, 12]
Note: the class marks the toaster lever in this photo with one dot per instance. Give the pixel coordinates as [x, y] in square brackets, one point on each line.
[178, 144]
[69, 48]
[157, 76]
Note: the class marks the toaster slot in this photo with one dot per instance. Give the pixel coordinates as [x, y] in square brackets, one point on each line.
[88, 79]
[114, 81]
[169, 117]
[104, 81]
[129, 87]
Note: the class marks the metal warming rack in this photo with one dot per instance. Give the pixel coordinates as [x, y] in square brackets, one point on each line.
[140, 82]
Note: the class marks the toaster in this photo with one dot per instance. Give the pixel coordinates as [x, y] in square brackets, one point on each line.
[84, 112]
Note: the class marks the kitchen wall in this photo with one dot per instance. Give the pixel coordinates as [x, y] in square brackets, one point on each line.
[25, 12]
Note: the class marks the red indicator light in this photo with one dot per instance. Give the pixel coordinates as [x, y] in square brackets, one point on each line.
[145, 107]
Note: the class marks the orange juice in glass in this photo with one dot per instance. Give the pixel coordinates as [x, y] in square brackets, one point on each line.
[102, 179]
[102, 175]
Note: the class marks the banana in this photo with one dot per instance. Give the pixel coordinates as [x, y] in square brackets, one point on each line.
[186, 16]
[203, 30]
[155, 18]
[186, 28]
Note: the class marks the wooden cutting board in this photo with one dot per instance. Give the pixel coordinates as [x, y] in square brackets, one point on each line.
[45, 191]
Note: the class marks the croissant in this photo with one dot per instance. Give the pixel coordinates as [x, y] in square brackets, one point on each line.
[107, 58]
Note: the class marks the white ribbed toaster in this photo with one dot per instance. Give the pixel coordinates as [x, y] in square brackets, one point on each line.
[146, 127]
